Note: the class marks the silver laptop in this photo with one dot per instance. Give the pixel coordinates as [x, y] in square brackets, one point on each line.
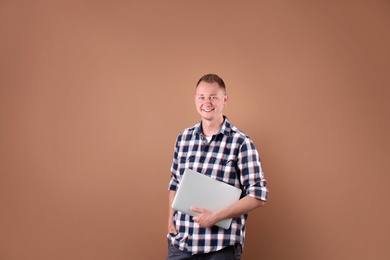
[202, 191]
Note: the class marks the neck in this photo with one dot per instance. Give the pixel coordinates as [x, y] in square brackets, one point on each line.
[210, 128]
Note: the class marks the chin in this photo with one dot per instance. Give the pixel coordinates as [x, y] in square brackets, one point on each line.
[208, 118]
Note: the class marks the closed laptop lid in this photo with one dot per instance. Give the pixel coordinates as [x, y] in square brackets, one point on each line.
[202, 191]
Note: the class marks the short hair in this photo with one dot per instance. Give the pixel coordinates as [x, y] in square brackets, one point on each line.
[211, 78]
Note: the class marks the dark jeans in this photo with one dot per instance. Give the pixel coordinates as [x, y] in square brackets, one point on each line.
[228, 253]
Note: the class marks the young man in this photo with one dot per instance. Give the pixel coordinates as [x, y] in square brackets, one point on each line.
[218, 149]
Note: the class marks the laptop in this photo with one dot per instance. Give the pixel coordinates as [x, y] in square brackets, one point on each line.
[202, 191]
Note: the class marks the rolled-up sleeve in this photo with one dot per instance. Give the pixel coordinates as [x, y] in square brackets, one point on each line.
[251, 173]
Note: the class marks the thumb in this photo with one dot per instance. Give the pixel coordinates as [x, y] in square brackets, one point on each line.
[197, 210]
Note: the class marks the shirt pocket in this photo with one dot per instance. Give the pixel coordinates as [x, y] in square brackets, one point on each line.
[227, 169]
[186, 162]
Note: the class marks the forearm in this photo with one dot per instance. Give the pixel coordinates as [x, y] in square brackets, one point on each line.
[239, 208]
[171, 197]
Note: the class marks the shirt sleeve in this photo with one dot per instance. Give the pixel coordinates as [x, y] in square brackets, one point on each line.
[251, 173]
[173, 183]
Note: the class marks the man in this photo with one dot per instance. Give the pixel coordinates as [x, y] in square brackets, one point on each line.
[218, 149]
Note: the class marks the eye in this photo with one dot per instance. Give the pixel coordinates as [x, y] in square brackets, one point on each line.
[213, 97]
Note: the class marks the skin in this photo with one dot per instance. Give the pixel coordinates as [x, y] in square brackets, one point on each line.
[210, 100]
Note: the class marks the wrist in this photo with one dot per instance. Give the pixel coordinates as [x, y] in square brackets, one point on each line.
[217, 216]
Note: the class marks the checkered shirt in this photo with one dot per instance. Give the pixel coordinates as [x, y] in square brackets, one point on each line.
[230, 157]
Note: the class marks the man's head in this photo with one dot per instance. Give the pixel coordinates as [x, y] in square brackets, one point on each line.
[211, 78]
[210, 97]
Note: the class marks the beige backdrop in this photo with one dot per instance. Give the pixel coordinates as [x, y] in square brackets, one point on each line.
[94, 93]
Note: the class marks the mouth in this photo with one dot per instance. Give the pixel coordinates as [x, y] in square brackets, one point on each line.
[207, 109]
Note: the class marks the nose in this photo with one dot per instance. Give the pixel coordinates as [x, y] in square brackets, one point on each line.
[207, 100]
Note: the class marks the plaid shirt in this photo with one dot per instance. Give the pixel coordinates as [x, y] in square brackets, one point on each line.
[230, 157]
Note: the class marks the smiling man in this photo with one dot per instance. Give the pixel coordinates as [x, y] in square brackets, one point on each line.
[218, 149]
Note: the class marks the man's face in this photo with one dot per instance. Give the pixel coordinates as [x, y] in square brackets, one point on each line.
[210, 99]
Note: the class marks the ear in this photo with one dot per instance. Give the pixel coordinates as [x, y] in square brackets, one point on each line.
[225, 99]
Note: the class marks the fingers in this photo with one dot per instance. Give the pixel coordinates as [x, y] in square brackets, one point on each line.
[201, 212]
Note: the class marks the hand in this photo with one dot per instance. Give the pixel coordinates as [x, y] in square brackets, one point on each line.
[206, 218]
[171, 228]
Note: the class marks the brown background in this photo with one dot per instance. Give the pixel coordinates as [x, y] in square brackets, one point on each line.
[94, 93]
